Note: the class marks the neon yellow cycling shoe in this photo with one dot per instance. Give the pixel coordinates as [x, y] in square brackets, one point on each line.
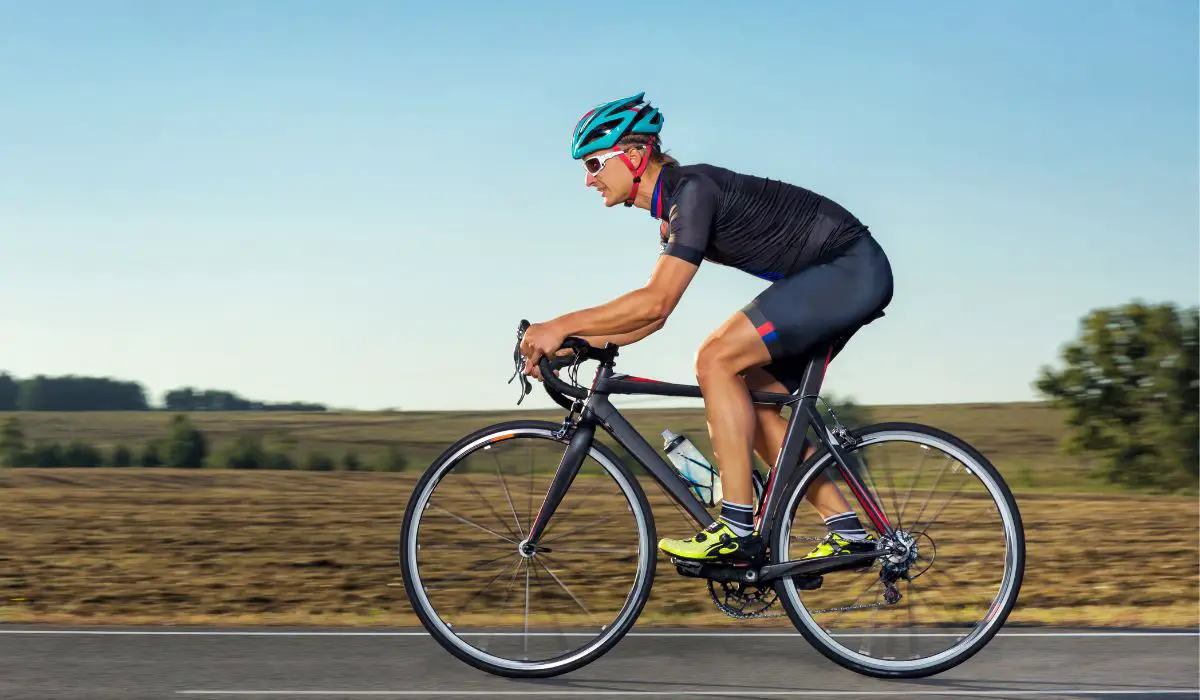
[835, 545]
[717, 542]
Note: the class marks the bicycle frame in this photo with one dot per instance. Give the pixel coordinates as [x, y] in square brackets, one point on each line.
[598, 410]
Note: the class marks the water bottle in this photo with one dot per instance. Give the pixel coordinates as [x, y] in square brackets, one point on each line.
[695, 469]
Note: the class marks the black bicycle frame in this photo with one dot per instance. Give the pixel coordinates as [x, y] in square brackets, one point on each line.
[597, 410]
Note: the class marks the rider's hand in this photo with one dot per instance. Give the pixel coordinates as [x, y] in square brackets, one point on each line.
[537, 371]
[540, 339]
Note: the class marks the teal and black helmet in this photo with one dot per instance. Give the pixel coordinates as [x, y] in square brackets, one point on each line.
[608, 123]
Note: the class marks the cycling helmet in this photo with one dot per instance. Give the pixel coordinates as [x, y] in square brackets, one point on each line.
[606, 124]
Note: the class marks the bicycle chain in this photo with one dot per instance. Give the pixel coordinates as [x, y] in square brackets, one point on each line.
[738, 615]
[764, 614]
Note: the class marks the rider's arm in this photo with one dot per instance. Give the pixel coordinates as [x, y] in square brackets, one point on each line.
[691, 221]
[634, 310]
[623, 339]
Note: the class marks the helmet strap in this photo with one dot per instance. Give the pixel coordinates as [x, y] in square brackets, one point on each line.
[637, 172]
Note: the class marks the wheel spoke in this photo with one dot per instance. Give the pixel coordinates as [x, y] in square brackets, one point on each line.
[568, 591]
[481, 591]
[933, 489]
[508, 497]
[475, 525]
[526, 638]
[892, 490]
[488, 502]
[581, 528]
[945, 503]
[913, 484]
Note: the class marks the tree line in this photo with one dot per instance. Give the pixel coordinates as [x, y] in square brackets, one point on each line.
[81, 393]
[184, 446]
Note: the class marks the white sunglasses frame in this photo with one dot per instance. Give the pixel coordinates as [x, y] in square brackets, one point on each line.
[603, 158]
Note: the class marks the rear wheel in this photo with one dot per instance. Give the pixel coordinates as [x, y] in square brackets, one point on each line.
[954, 564]
[500, 605]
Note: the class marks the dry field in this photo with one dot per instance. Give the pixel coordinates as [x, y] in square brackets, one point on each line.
[231, 547]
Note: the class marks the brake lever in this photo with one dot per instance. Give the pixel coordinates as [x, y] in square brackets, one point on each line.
[519, 362]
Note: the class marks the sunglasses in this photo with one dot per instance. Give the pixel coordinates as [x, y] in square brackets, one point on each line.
[596, 163]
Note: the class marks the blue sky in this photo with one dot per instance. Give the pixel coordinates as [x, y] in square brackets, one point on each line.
[356, 203]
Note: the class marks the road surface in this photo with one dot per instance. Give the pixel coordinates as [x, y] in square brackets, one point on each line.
[114, 663]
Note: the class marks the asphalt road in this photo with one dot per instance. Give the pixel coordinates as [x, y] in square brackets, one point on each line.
[44, 663]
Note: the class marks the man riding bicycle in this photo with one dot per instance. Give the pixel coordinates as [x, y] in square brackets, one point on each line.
[829, 277]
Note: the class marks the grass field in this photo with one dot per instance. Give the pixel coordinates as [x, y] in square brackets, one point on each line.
[262, 547]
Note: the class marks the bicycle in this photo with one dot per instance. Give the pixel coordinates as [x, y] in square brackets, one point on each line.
[436, 579]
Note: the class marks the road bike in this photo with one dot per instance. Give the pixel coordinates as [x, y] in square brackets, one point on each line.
[549, 592]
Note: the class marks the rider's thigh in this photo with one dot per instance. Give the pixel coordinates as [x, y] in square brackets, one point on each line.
[824, 304]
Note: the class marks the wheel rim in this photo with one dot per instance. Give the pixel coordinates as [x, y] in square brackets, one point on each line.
[852, 583]
[524, 642]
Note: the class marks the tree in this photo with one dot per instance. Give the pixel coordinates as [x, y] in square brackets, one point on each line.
[320, 462]
[280, 460]
[351, 462]
[12, 443]
[74, 393]
[1130, 388]
[122, 456]
[188, 446]
[151, 455]
[395, 461]
[247, 453]
[9, 388]
[45, 454]
[81, 454]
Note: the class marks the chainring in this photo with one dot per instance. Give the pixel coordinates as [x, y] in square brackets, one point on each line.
[743, 601]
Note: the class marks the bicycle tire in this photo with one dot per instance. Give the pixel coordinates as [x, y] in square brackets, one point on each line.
[998, 613]
[635, 600]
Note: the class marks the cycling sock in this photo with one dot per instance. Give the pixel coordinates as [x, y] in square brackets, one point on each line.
[847, 525]
[739, 518]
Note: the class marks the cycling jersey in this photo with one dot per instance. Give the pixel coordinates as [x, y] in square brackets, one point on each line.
[765, 227]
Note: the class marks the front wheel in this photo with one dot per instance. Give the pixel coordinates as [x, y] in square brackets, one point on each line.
[954, 565]
[507, 608]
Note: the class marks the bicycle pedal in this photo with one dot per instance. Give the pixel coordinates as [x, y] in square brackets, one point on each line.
[808, 583]
[712, 571]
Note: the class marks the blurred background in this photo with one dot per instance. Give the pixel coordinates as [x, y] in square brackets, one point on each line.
[261, 263]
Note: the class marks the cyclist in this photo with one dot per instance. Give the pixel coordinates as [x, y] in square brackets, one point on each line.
[829, 277]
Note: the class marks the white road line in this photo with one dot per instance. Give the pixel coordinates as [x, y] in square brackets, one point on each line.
[677, 693]
[669, 634]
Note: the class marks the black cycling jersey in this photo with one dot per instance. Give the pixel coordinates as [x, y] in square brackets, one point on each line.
[765, 227]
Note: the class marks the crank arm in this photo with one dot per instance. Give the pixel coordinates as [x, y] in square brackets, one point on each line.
[816, 567]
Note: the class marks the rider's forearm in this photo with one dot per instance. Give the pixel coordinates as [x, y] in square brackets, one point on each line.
[628, 312]
[623, 339]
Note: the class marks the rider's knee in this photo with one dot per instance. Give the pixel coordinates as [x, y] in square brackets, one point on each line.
[713, 360]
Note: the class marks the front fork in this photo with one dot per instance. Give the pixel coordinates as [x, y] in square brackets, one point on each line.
[564, 476]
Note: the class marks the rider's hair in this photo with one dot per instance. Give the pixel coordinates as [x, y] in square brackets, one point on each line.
[657, 155]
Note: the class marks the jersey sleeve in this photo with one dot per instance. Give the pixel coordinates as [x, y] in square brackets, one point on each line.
[691, 219]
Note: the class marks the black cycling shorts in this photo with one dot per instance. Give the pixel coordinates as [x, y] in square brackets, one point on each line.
[821, 305]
